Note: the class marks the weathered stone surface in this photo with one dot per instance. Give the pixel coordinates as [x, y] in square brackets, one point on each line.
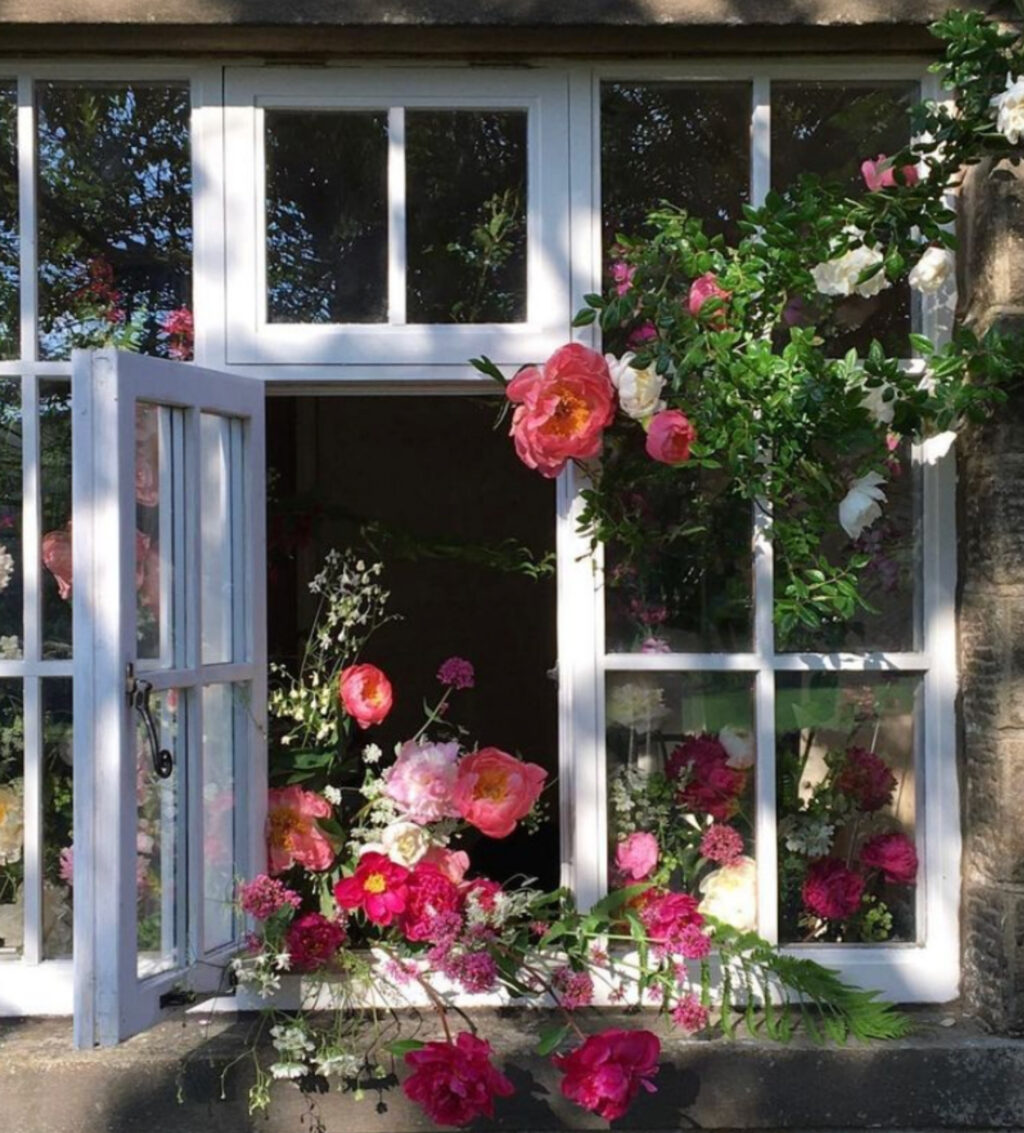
[994, 956]
[991, 231]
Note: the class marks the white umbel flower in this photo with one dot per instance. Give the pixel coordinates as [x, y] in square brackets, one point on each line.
[931, 271]
[1009, 107]
[862, 504]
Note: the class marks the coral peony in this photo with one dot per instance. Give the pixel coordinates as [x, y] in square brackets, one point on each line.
[495, 790]
[422, 781]
[563, 408]
[455, 1083]
[831, 890]
[865, 778]
[703, 289]
[312, 941]
[711, 785]
[293, 834]
[604, 1074]
[669, 437]
[452, 863]
[894, 855]
[880, 174]
[429, 895]
[365, 694]
[378, 887]
[637, 855]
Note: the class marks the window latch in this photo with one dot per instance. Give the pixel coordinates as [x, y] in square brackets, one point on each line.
[138, 697]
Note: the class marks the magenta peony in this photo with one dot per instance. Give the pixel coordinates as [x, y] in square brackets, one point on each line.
[712, 786]
[429, 895]
[637, 855]
[605, 1073]
[455, 1082]
[866, 779]
[894, 855]
[312, 941]
[667, 917]
[378, 887]
[495, 790]
[293, 834]
[365, 694]
[669, 437]
[831, 890]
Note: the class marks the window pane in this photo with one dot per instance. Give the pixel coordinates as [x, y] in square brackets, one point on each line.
[159, 862]
[829, 128]
[681, 768]
[466, 193]
[12, 815]
[685, 143]
[55, 490]
[11, 574]
[846, 759]
[221, 707]
[327, 218]
[10, 314]
[115, 218]
[58, 850]
[220, 526]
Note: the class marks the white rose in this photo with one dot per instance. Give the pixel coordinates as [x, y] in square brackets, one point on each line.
[639, 390]
[403, 842]
[1010, 109]
[861, 505]
[874, 401]
[931, 270]
[739, 743]
[637, 705]
[730, 894]
[12, 812]
[839, 276]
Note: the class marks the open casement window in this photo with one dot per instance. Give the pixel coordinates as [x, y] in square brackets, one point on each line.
[170, 673]
[396, 217]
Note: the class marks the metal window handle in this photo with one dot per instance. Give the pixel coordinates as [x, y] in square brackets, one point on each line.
[138, 697]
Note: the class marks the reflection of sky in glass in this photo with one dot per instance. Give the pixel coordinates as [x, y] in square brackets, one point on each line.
[9, 319]
[115, 218]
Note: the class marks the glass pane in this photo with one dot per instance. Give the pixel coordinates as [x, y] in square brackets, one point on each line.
[830, 128]
[12, 818]
[327, 216]
[890, 583]
[58, 850]
[222, 705]
[115, 218]
[159, 862]
[690, 592]
[11, 575]
[466, 200]
[220, 524]
[685, 143]
[10, 314]
[681, 771]
[847, 759]
[55, 486]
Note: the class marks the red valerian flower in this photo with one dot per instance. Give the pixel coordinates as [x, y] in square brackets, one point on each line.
[866, 778]
[894, 855]
[605, 1073]
[712, 786]
[455, 1082]
[312, 941]
[563, 408]
[669, 437]
[831, 890]
[429, 894]
[378, 887]
[365, 694]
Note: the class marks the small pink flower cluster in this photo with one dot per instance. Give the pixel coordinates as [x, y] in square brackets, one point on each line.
[456, 673]
[264, 896]
[575, 989]
[722, 844]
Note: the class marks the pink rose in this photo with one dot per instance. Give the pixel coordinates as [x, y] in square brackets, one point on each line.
[312, 941]
[365, 693]
[56, 552]
[455, 1083]
[563, 408]
[422, 781]
[894, 855]
[703, 289]
[830, 890]
[293, 834]
[495, 790]
[669, 437]
[637, 855]
[880, 174]
[605, 1073]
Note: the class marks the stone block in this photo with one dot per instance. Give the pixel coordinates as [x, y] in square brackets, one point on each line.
[991, 658]
[991, 232]
[993, 935]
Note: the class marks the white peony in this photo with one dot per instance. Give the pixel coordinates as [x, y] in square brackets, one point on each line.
[861, 505]
[12, 812]
[638, 706]
[6, 567]
[931, 270]
[403, 842]
[1010, 109]
[839, 276]
[739, 743]
[730, 894]
[639, 390]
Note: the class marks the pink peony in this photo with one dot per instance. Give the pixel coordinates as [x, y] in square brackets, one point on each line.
[866, 779]
[622, 276]
[456, 672]
[56, 553]
[879, 174]
[644, 333]
[429, 895]
[712, 786]
[455, 1083]
[830, 890]
[365, 694]
[293, 834]
[495, 790]
[722, 844]
[604, 1074]
[703, 289]
[452, 863]
[264, 896]
[690, 1015]
[378, 887]
[669, 437]
[312, 941]
[422, 781]
[637, 855]
[563, 408]
[894, 855]
[667, 916]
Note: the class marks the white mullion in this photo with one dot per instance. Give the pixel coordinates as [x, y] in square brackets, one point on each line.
[19, 669]
[879, 662]
[397, 249]
[760, 141]
[32, 886]
[27, 217]
[190, 832]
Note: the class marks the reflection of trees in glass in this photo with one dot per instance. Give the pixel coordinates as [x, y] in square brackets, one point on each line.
[327, 222]
[58, 836]
[9, 321]
[55, 499]
[466, 192]
[10, 517]
[115, 215]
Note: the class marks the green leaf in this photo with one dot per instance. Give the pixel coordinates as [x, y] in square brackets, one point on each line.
[489, 369]
[400, 1047]
[584, 317]
[550, 1039]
